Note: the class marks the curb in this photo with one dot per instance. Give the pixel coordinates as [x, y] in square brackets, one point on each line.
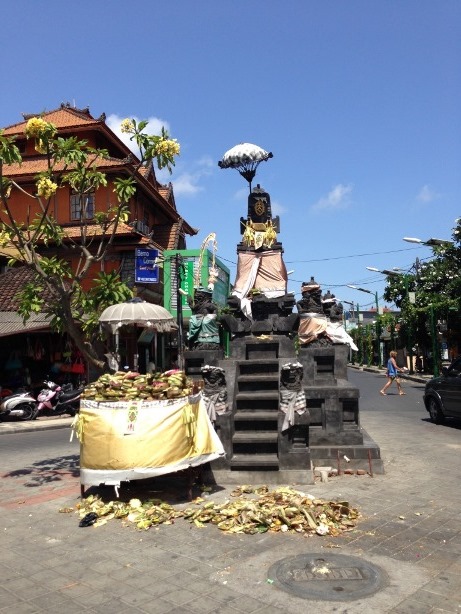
[34, 425]
[414, 378]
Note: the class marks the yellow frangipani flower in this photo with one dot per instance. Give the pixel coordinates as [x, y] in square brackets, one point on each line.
[168, 147]
[46, 187]
[127, 125]
[35, 127]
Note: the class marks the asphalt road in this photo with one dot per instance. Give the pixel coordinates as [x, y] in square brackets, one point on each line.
[17, 450]
[29, 447]
[43, 448]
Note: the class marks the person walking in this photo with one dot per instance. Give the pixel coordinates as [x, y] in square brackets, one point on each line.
[392, 374]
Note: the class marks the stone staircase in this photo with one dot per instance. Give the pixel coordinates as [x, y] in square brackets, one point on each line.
[257, 451]
[255, 436]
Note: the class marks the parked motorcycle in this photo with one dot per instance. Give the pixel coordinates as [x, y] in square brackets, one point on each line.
[56, 400]
[52, 400]
[21, 405]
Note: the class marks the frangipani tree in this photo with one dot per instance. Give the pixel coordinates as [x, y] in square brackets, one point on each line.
[40, 242]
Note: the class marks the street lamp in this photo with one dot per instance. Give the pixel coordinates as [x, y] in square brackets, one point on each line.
[429, 242]
[378, 327]
[399, 273]
[432, 243]
[396, 272]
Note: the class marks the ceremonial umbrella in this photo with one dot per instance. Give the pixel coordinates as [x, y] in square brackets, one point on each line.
[137, 311]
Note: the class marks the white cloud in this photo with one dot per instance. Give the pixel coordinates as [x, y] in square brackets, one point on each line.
[154, 127]
[427, 194]
[337, 198]
[277, 208]
[188, 183]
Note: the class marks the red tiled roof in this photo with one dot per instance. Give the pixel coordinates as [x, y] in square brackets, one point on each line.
[64, 117]
[33, 166]
[94, 230]
[12, 282]
[168, 236]
[164, 191]
[68, 118]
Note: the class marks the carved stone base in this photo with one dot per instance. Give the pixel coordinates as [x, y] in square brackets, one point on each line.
[194, 360]
[250, 347]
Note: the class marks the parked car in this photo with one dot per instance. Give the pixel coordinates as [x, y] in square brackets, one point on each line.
[442, 395]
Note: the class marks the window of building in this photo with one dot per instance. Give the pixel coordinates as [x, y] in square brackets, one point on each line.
[81, 206]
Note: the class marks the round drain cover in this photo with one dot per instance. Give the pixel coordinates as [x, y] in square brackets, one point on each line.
[331, 577]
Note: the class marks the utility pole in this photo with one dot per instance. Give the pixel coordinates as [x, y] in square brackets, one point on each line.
[179, 278]
[435, 349]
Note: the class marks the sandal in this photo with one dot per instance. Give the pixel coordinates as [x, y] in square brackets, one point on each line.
[383, 393]
[402, 393]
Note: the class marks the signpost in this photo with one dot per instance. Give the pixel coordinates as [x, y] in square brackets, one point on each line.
[146, 271]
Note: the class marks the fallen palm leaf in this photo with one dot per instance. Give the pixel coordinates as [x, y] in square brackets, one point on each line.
[283, 510]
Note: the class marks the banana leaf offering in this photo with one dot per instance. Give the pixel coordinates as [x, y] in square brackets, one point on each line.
[251, 510]
[129, 386]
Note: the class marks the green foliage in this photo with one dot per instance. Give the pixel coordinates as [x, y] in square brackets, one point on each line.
[55, 267]
[31, 300]
[50, 232]
[125, 189]
[107, 289]
[158, 147]
[70, 150]
[368, 343]
[9, 153]
[437, 287]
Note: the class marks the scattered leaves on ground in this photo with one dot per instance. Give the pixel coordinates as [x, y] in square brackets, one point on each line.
[251, 510]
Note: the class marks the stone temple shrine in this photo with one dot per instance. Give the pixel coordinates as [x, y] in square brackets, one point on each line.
[281, 401]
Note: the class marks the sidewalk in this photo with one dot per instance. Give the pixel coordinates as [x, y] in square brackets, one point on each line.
[415, 377]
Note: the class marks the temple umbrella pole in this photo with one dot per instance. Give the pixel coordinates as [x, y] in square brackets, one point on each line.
[179, 265]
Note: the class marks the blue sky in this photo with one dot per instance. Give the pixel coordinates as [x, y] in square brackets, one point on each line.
[359, 102]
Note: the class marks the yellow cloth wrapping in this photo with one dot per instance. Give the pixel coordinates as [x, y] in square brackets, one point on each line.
[144, 439]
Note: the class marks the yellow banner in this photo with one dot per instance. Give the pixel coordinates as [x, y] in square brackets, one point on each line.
[121, 436]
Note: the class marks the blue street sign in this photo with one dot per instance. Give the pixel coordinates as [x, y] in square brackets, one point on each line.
[146, 271]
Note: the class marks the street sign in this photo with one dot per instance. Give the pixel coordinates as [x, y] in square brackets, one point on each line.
[146, 271]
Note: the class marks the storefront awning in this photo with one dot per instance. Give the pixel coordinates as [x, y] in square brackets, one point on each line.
[11, 323]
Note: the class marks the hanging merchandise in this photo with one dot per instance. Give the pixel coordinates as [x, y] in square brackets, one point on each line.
[78, 366]
[39, 352]
[30, 350]
[14, 362]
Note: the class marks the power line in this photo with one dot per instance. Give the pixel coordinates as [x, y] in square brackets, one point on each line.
[351, 256]
[395, 251]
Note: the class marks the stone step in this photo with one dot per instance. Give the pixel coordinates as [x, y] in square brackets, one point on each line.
[248, 415]
[255, 437]
[263, 366]
[258, 377]
[262, 385]
[254, 460]
[255, 395]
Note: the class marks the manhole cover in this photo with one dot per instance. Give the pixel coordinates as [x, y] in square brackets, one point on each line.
[332, 577]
